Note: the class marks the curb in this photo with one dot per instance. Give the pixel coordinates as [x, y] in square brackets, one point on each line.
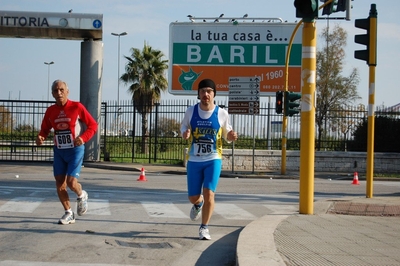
[256, 244]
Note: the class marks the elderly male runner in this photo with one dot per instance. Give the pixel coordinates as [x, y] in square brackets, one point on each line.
[73, 126]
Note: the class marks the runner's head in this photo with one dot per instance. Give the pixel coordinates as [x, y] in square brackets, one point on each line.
[60, 91]
[205, 85]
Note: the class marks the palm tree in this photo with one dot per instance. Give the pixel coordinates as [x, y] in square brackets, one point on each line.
[145, 75]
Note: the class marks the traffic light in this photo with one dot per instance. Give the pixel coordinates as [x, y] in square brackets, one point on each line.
[279, 102]
[291, 104]
[362, 39]
[368, 39]
[306, 9]
[334, 6]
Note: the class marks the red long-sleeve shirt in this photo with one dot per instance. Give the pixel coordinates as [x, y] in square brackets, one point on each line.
[67, 120]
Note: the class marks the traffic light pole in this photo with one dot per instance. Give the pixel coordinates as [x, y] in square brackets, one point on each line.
[308, 11]
[371, 134]
[284, 122]
[371, 99]
[307, 129]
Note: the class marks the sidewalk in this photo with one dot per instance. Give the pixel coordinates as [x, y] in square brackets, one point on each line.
[343, 231]
[369, 236]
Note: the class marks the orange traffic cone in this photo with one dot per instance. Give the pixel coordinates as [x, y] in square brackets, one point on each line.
[142, 176]
[355, 179]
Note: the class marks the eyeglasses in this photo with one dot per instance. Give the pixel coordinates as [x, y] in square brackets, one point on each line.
[206, 90]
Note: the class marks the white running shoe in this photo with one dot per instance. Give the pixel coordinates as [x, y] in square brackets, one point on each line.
[196, 212]
[204, 234]
[82, 203]
[67, 218]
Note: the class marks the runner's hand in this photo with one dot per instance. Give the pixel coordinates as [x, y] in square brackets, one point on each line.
[39, 140]
[186, 134]
[78, 141]
[232, 136]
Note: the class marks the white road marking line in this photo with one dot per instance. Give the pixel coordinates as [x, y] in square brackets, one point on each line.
[282, 209]
[233, 212]
[42, 263]
[159, 209]
[21, 204]
[98, 207]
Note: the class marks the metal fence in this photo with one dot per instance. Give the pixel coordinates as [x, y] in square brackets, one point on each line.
[124, 139]
[122, 132]
[19, 124]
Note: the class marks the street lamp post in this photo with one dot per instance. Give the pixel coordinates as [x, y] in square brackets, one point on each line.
[48, 77]
[119, 36]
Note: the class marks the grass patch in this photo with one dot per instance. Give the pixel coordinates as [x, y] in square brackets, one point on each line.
[387, 175]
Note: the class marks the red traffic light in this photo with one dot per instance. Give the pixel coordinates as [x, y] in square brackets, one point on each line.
[279, 102]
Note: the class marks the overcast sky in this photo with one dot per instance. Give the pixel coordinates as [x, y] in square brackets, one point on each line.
[24, 75]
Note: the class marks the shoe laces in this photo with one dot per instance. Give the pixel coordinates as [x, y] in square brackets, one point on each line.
[66, 214]
[203, 229]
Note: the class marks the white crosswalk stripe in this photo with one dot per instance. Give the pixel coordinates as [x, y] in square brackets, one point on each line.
[42, 263]
[233, 212]
[99, 207]
[153, 209]
[6, 191]
[21, 204]
[157, 209]
[282, 209]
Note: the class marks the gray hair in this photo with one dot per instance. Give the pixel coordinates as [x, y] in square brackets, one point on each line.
[57, 81]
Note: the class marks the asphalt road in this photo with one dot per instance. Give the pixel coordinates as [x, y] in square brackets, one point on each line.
[139, 223]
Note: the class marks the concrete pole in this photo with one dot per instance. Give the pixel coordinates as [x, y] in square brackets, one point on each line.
[90, 91]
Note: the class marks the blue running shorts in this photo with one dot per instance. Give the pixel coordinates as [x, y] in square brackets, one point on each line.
[68, 161]
[203, 174]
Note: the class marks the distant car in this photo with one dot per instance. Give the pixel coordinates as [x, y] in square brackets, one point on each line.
[108, 133]
[123, 133]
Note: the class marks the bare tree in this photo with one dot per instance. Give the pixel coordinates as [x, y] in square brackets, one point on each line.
[334, 90]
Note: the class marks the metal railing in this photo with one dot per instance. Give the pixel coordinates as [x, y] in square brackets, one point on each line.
[122, 131]
[125, 138]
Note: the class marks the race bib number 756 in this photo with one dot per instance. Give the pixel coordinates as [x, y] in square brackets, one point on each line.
[203, 147]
